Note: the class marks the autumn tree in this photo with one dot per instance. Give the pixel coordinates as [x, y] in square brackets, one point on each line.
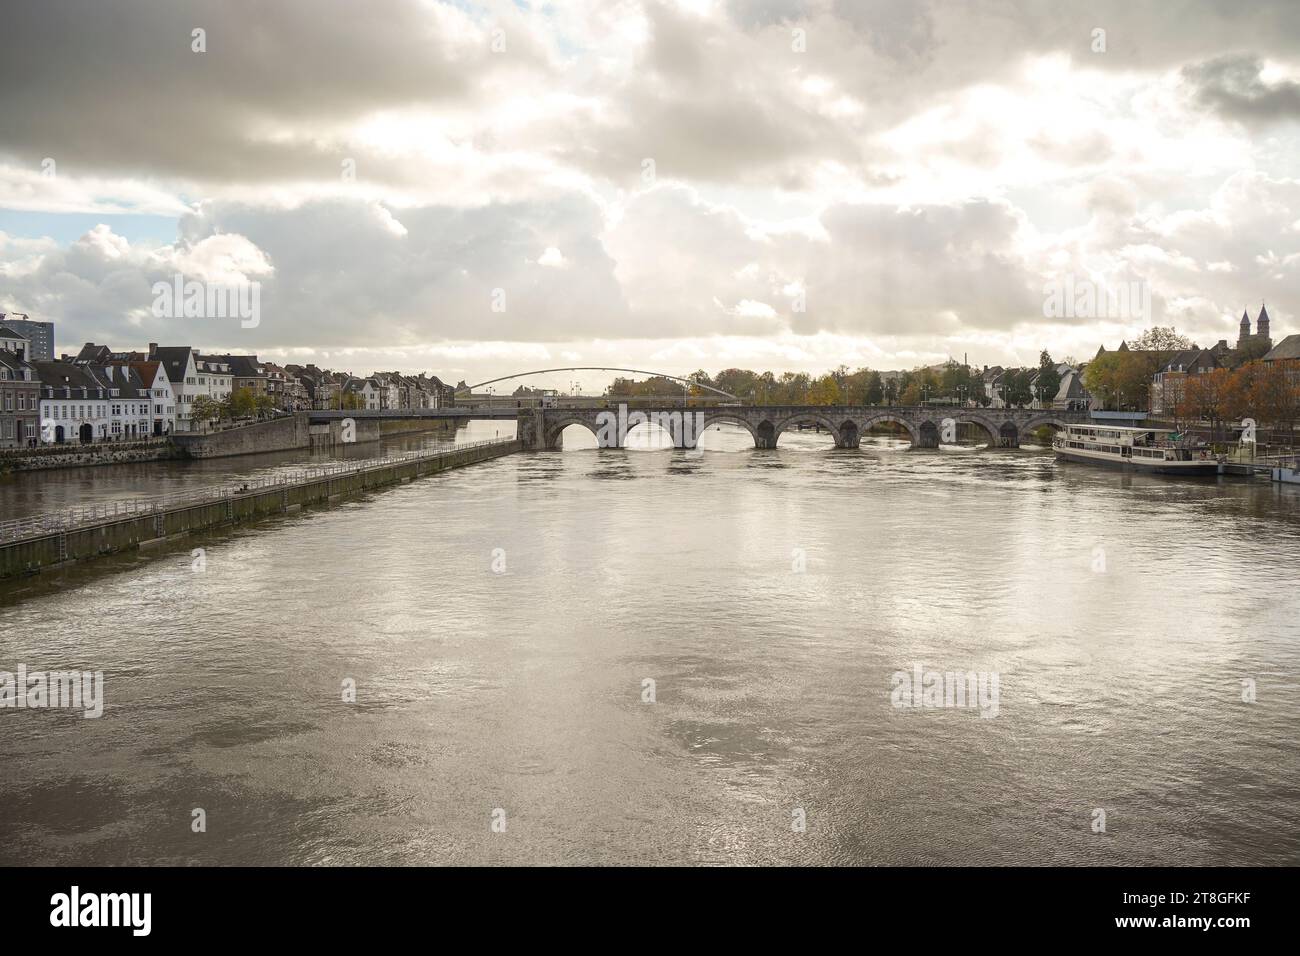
[1275, 396]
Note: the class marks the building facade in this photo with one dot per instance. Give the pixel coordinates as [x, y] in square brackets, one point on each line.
[39, 334]
[20, 392]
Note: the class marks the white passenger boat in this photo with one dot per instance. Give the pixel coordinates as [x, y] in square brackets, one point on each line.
[1158, 450]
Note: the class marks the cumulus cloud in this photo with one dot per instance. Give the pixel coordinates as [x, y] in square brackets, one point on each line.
[884, 180]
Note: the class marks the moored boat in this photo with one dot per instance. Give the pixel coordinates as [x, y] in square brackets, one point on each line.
[1159, 450]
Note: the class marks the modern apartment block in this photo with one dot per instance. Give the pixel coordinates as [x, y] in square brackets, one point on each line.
[39, 334]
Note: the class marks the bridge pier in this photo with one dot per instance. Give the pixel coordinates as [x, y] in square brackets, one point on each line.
[847, 436]
[530, 429]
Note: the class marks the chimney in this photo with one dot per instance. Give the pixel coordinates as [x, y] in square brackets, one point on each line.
[153, 347]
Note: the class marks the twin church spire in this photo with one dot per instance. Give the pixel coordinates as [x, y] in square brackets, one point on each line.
[1261, 327]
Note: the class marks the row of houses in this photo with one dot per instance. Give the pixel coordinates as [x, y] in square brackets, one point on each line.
[385, 390]
[1175, 367]
[104, 395]
[1068, 394]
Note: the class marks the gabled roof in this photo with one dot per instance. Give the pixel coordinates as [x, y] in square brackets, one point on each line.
[11, 361]
[175, 359]
[211, 360]
[1288, 348]
[90, 352]
[1185, 359]
[243, 366]
[65, 375]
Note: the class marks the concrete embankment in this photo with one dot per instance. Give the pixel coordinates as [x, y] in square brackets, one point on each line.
[296, 431]
[30, 551]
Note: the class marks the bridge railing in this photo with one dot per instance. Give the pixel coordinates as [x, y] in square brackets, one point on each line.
[59, 522]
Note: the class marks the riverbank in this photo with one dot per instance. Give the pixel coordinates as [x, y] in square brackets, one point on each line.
[49, 457]
[287, 434]
[31, 545]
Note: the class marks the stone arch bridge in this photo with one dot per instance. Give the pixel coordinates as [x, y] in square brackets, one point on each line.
[540, 429]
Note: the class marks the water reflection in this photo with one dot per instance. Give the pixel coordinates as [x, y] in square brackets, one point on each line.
[769, 598]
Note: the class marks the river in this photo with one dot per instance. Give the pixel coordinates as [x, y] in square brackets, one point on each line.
[662, 657]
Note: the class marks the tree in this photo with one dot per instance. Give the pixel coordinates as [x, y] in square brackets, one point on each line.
[1119, 379]
[698, 379]
[1275, 396]
[1016, 389]
[740, 382]
[204, 409]
[1161, 340]
[242, 403]
[1049, 379]
[875, 390]
[824, 391]
[264, 405]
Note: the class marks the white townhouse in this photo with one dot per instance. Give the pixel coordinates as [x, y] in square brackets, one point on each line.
[129, 402]
[154, 392]
[214, 373]
[155, 386]
[372, 394]
[75, 405]
[181, 364]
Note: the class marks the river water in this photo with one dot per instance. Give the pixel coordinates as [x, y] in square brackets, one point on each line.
[502, 624]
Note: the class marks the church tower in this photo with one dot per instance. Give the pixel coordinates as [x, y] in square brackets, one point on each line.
[1261, 327]
[1244, 334]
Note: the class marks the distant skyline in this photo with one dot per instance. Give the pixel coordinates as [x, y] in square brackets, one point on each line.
[474, 189]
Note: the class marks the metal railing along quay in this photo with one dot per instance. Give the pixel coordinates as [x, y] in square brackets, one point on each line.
[35, 526]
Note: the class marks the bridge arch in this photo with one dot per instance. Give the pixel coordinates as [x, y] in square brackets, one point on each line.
[982, 422]
[728, 418]
[804, 418]
[555, 430]
[1038, 421]
[867, 423]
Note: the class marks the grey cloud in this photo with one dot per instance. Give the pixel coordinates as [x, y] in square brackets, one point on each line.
[904, 271]
[117, 87]
[344, 277]
[898, 29]
[1231, 86]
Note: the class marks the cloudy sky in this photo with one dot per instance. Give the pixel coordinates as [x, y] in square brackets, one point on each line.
[663, 184]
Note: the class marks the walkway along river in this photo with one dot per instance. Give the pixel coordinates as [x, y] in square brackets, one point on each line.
[31, 544]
